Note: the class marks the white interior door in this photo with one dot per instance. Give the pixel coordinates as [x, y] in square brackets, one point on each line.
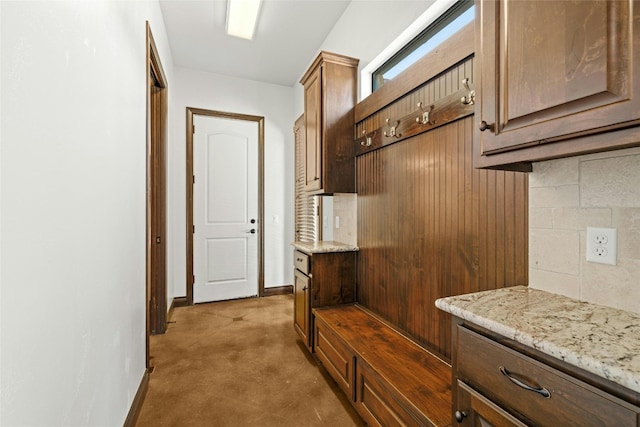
[225, 208]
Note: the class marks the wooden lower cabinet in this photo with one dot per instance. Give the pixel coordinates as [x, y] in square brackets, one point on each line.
[378, 405]
[481, 412]
[389, 379]
[320, 279]
[336, 357]
[373, 397]
[301, 309]
[498, 385]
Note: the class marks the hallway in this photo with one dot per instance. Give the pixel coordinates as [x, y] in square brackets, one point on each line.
[239, 363]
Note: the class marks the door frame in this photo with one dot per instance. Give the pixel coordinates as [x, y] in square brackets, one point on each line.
[156, 211]
[191, 112]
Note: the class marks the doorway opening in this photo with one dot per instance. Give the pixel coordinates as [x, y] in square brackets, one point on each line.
[156, 285]
[192, 113]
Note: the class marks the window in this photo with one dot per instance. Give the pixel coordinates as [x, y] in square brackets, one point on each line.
[459, 15]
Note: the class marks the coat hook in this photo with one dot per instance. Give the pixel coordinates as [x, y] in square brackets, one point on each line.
[392, 129]
[366, 142]
[424, 118]
[470, 98]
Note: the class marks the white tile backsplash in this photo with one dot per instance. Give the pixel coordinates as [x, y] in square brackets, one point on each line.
[566, 197]
[581, 218]
[613, 182]
[555, 196]
[345, 206]
[555, 250]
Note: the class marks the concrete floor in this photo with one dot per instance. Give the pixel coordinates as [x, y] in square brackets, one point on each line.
[239, 363]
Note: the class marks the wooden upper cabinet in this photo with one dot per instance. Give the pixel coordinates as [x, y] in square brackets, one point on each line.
[313, 152]
[550, 72]
[329, 97]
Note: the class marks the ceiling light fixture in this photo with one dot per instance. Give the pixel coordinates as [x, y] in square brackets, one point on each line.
[242, 16]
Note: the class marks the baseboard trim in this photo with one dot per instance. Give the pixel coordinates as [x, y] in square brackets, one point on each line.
[180, 302]
[138, 400]
[170, 312]
[278, 290]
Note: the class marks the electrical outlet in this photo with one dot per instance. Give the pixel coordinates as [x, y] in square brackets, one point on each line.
[337, 222]
[601, 245]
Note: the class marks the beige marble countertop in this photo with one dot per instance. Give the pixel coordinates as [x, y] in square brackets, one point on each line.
[598, 339]
[323, 246]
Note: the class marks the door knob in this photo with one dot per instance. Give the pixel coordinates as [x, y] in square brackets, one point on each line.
[252, 231]
[253, 221]
[484, 126]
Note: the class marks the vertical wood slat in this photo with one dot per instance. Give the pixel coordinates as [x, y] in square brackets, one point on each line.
[429, 225]
[306, 220]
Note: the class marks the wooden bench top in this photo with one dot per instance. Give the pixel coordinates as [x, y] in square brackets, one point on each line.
[423, 378]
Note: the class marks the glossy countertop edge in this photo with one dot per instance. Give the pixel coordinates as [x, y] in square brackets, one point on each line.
[602, 340]
[324, 246]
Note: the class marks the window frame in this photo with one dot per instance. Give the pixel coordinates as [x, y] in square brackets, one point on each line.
[429, 33]
[432, 14]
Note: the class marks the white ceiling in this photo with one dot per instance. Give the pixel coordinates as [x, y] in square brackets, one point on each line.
[288, 35]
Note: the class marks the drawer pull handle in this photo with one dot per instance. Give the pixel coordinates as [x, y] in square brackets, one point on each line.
[540, 390]
[460, 416]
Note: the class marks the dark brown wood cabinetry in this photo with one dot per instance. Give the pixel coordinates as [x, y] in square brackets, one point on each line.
[335, 356]
[301, 305]
[321, 279]
[390, 380]
[329, 96]
[555, 78]
[496, 384]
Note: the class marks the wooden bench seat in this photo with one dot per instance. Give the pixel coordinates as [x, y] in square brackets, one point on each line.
[390, 379]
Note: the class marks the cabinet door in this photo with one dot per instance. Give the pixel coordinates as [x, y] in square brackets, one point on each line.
[379, 404]
[554, 70]
[335, 357]
[313, 126]
[477, 411]
[301, 306]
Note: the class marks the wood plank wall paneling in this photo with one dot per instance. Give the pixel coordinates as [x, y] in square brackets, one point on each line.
[430, 225]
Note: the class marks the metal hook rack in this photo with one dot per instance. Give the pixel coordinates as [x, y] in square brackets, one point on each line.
[368, 139]
[424, 118]
[392, 129]
[470, 98]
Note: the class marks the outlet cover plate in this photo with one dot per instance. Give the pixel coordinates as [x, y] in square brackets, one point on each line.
[601, 245]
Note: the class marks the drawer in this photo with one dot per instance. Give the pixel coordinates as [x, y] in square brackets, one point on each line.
[553, 398]
[301, 261]
[480, 411]
[335, 357]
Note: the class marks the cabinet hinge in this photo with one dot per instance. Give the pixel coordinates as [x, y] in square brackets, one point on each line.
[193, 129]
[194, 178]
[193, 279]
[194, 229]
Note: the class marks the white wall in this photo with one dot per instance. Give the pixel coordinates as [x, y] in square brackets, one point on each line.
[198, 89]
[73, 177]
[565, 197]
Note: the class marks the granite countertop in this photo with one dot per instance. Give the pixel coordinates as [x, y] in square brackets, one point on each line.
[324, 246]
[602, 340]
